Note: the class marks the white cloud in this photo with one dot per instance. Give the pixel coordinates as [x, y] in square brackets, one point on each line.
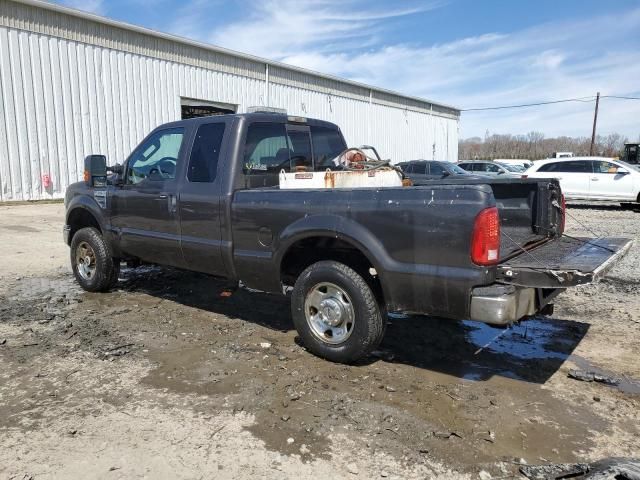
[278, 29]
[562, 59]
[550, 59]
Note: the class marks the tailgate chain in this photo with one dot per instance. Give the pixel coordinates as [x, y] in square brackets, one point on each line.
[566, 212]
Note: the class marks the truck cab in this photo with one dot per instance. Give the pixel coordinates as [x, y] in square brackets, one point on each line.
[168, 204]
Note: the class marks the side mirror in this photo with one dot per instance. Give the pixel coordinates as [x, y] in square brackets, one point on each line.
[95, 170]
[445, 174]
[622, 171]
[117, 177]
[500, 172]
[117, 169]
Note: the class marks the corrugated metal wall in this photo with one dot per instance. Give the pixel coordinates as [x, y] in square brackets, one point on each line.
[63, 98]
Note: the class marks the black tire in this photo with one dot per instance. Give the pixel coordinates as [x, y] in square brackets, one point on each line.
[105, 267]
[368, 326]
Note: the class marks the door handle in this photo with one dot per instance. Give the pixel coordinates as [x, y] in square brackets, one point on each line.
[172, 201]
[594, 179]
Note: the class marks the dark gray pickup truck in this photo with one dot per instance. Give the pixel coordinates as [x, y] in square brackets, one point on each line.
[203, 195]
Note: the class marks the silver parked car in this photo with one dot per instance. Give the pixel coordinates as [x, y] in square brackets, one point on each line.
[487, 167]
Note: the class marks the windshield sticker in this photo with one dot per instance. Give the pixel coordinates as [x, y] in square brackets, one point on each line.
[256, 166]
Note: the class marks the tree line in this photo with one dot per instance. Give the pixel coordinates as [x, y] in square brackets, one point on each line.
[535, 146]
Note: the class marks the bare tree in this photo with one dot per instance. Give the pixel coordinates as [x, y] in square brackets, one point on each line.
[535, 146]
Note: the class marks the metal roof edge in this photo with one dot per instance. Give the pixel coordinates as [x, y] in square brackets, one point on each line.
[207, 46]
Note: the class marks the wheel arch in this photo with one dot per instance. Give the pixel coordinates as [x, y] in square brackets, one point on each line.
[306, 244]
[81, 215]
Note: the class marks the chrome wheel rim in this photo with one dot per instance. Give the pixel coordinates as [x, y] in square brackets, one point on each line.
[329, 313]
[85, 261]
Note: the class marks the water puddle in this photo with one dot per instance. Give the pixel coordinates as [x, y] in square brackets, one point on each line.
[535, 338]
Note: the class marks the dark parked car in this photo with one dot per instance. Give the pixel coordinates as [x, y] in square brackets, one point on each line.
[203, 195]
[430, 169]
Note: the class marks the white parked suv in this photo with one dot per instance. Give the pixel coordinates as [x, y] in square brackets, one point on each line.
[591, 178]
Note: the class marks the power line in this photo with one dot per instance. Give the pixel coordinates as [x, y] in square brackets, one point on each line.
[581, 99]
[620, 97]
[551, 102]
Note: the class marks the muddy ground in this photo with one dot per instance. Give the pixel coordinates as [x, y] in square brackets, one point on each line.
[163, 378]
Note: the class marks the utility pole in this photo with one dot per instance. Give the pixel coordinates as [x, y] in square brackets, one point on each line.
[595, 121]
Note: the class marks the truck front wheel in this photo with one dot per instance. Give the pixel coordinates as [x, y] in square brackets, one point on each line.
[93, 266]
[336, 313]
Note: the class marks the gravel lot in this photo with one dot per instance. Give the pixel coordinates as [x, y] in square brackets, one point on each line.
[163, 378]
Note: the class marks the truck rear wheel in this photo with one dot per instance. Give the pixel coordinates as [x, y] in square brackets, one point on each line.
[336, 313]
[93, 266]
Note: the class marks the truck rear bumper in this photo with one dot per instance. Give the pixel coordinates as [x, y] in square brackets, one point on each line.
[506, 304]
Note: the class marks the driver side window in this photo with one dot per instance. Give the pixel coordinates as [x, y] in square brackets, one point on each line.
[157, 158]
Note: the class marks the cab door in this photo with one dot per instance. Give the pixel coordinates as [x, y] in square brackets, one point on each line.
[201, 219]
[145, 207]
[608, 182]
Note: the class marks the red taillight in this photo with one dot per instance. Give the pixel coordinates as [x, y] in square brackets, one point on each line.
[485, 241]
[563, 220]
[524, 176]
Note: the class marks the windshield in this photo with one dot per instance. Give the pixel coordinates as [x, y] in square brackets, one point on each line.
[457, 170]
[512, 168]
[635, 168]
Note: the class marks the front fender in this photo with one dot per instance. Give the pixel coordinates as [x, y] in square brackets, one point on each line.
[88, 204]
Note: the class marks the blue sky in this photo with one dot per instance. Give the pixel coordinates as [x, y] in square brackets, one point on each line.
[461, 52]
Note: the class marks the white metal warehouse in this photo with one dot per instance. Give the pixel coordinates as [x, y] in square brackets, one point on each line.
[73, 83]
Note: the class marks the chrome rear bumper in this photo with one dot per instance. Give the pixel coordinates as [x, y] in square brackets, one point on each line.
[502, 304]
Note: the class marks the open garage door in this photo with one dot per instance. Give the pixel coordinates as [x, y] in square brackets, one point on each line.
[191, 108]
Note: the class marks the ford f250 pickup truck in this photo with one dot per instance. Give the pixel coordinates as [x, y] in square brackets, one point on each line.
[203, 195]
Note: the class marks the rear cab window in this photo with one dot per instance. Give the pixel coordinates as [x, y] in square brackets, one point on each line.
[271, 148]
[299, 143]
[327, 145]
[266, 148]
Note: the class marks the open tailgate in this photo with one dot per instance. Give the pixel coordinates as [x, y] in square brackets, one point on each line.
[563, 262]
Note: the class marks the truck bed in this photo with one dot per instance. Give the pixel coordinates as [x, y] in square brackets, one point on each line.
[418, 237]
[530, 211]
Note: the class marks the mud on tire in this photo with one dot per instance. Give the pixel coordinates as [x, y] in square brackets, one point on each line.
[93, 266]
[328, 293]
